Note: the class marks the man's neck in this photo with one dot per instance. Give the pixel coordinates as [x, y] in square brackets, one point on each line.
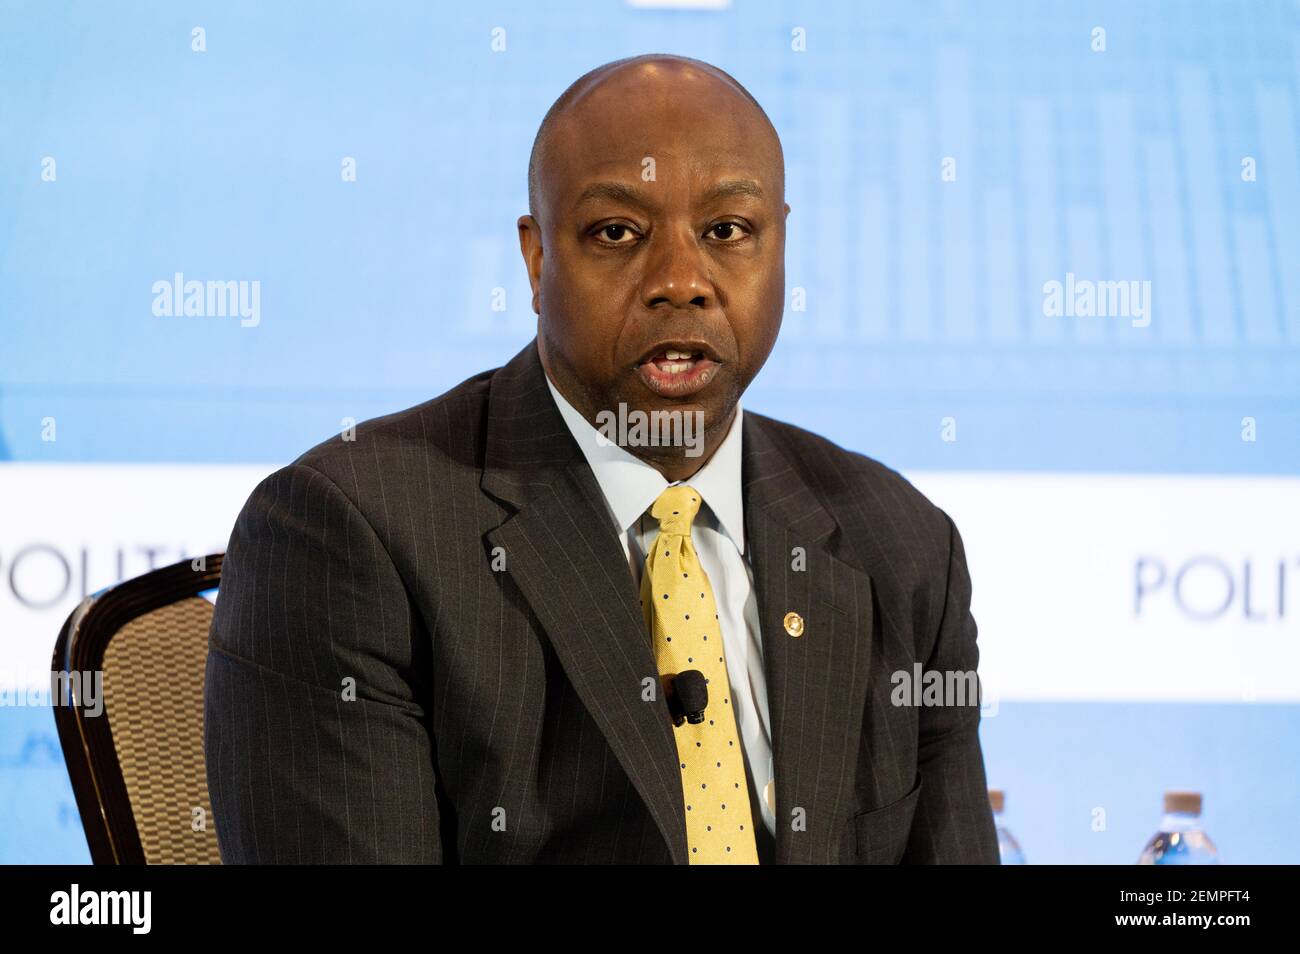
[680, 467]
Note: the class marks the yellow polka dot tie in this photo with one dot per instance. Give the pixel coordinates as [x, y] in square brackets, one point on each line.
[683, 619]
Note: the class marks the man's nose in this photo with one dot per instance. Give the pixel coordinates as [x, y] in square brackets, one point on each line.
[678, 272]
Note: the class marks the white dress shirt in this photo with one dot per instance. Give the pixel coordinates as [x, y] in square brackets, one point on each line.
[630, 487]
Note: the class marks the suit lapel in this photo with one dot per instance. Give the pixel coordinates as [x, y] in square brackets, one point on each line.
[563, 552]
[816, 682]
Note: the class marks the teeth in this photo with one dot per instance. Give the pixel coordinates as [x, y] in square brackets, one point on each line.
[678, 355]
[676, 368]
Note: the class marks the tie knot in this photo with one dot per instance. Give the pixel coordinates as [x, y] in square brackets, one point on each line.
[675, 508]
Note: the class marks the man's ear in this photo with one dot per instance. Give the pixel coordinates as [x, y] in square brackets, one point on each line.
[530, 235]
[530, 246]
[787, 209]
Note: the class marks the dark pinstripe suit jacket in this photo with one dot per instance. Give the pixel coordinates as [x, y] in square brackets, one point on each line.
[380, 690]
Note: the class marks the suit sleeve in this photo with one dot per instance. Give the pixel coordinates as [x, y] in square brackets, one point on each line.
[316, 699]
[953, 823]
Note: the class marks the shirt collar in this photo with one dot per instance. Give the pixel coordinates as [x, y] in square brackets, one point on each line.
[630, 485]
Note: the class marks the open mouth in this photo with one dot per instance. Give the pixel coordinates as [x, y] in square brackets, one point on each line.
[678, 371]
[672, 361]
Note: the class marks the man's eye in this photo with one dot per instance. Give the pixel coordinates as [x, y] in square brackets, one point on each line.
[615, 233]
[728, 231]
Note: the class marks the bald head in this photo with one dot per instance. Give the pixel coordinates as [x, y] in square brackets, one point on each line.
[655, 245]
[650, 75]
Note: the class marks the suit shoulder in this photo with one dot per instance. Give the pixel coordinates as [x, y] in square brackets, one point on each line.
[851, 482]
[448, 426]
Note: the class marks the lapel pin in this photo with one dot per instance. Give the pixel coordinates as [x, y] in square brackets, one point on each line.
[794, 624]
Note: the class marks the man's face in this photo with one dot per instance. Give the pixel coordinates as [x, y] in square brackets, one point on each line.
[659, 268]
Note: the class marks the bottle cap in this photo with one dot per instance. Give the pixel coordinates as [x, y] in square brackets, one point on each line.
[997, 798]
[1186, 803]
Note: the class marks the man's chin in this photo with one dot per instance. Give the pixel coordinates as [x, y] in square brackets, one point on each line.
[661, 429]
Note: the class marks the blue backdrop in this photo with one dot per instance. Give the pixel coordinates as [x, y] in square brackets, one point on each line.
[944, 161]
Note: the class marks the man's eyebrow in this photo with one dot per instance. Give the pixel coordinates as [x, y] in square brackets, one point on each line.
[614, 192]
[734, 187]
[620, 192]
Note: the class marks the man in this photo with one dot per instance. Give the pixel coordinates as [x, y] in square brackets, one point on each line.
[483, 631]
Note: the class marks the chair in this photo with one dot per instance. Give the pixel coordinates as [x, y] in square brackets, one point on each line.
[137, 767]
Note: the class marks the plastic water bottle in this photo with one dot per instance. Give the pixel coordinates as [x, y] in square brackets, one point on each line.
[1180, 840]
[1008, 848]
